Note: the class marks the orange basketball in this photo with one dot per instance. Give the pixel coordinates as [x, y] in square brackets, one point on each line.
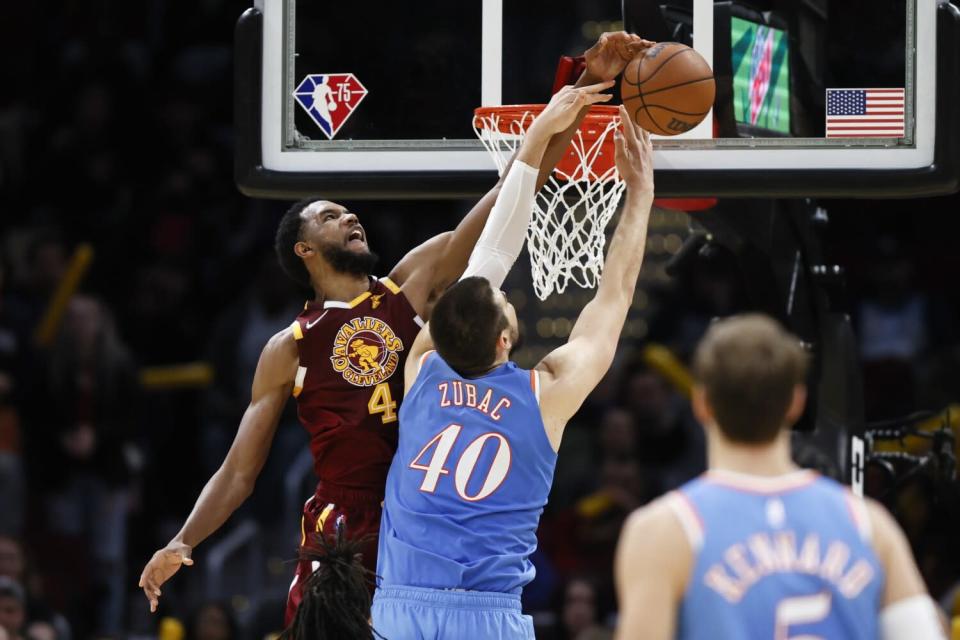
[668, 89]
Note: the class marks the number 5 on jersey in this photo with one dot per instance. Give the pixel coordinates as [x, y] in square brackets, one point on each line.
[442, 444]
[382, 402]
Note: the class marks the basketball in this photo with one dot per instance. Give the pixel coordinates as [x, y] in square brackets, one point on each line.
[668, 89]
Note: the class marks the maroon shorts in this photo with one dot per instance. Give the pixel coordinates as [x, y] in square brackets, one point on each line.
[360, 512]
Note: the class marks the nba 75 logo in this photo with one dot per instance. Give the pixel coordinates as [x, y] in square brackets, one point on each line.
[329, 99]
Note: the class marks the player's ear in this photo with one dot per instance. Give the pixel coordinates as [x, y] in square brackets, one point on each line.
[503, 341]
[701, 406]
[303, 249]
[797, 403]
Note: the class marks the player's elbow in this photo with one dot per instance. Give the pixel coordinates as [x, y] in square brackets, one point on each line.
[617, 295]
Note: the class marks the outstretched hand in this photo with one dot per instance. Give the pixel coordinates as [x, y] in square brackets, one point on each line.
[162, 566]
[634, 154]
[565, 104]
[610, 55]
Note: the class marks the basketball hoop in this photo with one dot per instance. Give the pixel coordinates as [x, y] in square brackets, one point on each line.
[566, 234]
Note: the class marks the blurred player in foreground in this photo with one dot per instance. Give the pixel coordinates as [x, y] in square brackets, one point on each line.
[342, 355]
[757, 548]
[479, 436]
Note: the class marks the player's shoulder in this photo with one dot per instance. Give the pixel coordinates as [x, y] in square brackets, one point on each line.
[656, 521]
[654, 537]
[883, 528]
[279, 361]
[281, 347]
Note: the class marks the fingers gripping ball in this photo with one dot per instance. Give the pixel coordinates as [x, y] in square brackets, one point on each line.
[668, 89]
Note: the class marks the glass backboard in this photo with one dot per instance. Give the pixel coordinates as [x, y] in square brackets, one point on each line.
[814, 97]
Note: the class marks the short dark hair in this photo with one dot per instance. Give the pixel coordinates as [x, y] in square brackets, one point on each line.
[465, 324]
[288, 234]
[749, 366]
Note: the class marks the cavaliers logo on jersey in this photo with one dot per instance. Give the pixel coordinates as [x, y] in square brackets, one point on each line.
[365, 351]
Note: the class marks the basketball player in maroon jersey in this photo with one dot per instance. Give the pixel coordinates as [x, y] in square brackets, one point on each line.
[341, 355]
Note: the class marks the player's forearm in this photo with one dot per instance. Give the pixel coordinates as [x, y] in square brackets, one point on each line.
[534, 146]
[603, 317]
[559, 143]
[625, 256]
[222, 495]
[503, 235]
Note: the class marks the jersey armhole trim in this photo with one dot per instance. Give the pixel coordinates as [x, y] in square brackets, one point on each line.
[535, 384]
[688, 518]
[297, 330]
[390, 284]
[423, 359]
[859, 515]
[298, 382]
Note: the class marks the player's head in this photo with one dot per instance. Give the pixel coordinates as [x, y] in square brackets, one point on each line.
[473, 326]
[749, 379]
[318, 235]
[336, 597]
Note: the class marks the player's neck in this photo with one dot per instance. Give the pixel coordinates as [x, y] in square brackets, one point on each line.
[339, 287]
[772, 459]
[501, 359]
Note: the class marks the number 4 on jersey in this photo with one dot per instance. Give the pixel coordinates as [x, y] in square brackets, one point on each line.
[382, 402]
[442, 444]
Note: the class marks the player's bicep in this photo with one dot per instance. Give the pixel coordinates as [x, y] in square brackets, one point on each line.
[573, 371]
[648, 569]
[422, 345]
[271, 390]
[416, 273]
[907, 611]
[903, 579]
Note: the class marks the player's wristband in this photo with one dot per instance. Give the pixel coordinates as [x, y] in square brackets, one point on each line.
[912, 618]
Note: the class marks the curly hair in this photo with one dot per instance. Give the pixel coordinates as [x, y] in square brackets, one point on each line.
[336, 596]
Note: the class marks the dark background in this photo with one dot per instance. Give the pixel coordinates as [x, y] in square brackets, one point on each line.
[116, 131]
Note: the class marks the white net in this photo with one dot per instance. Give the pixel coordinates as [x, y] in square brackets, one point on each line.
[566, 235]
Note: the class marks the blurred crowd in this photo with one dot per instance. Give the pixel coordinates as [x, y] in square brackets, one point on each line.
[115, 136]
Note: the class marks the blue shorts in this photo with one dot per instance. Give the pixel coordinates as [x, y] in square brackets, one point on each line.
[414, 613]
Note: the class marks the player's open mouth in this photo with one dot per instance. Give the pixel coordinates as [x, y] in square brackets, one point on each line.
[355, 238]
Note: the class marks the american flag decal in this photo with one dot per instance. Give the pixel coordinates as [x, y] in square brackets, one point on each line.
[865, 113]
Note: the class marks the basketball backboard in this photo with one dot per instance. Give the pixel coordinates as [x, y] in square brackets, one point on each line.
[814, 97]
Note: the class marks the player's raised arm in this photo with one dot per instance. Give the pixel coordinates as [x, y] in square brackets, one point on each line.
[501, 241]
[426, 271]
[503, 234]
[570, 373]
[234, 480]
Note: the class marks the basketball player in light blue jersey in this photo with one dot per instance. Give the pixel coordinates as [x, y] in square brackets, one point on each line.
[479, 435]
[757, 548]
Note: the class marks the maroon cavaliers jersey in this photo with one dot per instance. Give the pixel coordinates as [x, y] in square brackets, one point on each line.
[350, 382]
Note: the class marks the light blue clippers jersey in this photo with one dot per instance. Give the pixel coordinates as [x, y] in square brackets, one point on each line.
[778, 557]
[468, 483]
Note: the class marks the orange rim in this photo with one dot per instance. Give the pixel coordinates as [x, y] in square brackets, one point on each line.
[593, 125]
